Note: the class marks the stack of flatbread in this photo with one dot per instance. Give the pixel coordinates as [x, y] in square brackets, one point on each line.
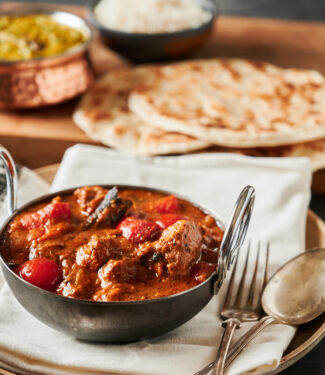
[228, 105]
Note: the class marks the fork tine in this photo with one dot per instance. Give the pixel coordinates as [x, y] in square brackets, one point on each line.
[266, 265]
[258, 307]
[227, 302]
[252, 288]
[240, 291]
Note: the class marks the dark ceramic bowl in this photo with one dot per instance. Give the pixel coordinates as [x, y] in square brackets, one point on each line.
[120, 321]
[139, 47]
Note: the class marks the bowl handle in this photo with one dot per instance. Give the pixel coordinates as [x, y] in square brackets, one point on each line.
[11, 179]
[235, 232]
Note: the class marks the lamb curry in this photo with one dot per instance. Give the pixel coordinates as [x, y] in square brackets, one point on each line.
[113, 245]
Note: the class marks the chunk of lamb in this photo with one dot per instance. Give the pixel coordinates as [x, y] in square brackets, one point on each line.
[46, 249]
[118, 271]
[179, 247]
[96, 252]
[89, 197]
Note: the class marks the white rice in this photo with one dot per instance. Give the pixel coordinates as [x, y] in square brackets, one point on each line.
[151, 16]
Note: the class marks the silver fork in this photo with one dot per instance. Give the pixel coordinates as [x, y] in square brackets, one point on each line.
[238, 310]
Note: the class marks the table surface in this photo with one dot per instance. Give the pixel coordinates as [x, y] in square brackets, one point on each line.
[312, 10]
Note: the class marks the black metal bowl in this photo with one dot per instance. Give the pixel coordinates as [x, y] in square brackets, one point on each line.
[119, 322]
[140, 47]
[107, 321]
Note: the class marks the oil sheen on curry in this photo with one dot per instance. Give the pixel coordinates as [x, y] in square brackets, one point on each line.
[113, 245]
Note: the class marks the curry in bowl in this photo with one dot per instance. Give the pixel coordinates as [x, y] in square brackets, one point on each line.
[113, 245]
[30, 36]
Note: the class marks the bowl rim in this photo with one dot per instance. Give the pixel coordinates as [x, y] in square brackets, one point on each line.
[94, 20]
[105, 303]
[50, 11]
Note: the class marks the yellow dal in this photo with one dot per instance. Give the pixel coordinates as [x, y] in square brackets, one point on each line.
[32, 36]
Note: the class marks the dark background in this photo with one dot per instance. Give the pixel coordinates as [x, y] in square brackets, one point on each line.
[313, 10]
[305, 10]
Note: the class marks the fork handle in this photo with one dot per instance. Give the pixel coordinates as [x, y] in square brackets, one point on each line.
[236, 349]
[230, 325]
[247, 338]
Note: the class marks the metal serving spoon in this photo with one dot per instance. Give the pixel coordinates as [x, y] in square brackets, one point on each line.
[294, 295]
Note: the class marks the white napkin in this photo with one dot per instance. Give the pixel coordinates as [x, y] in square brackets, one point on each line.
[282, 197]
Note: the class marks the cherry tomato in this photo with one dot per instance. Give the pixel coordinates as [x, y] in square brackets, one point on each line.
[202, 270]
[167, 204]
[166, 220]
[138, 230]
[55, 210]
[42, 272]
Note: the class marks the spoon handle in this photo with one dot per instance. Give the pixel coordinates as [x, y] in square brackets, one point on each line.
[247, 338]
[230, 326]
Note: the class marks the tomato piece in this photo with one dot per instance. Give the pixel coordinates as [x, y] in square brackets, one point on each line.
[167, 204]
[138, 230]
[42, 272]
[166, 220]
[56, 210]
[202, 270]
[31, 221]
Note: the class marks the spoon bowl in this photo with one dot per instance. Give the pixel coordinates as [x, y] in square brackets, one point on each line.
[296, 294]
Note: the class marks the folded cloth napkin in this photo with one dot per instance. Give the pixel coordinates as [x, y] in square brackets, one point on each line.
[282, 197]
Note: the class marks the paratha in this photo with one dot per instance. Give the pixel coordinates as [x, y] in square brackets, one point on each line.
[234, 102]
[104, 115]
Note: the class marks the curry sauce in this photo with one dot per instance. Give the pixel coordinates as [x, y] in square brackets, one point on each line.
[141, 245]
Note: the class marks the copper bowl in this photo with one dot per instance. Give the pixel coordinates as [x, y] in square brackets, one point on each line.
[47, 80]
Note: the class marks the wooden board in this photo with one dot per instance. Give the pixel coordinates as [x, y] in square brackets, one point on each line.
[39, 137]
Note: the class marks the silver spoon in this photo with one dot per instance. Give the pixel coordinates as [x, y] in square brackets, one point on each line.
[294, 295]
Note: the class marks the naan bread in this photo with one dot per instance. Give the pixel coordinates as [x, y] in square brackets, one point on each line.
[314, 150]
[104, 115]
[234, 103]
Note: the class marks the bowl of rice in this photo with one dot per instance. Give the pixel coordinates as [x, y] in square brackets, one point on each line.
[153, 30]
